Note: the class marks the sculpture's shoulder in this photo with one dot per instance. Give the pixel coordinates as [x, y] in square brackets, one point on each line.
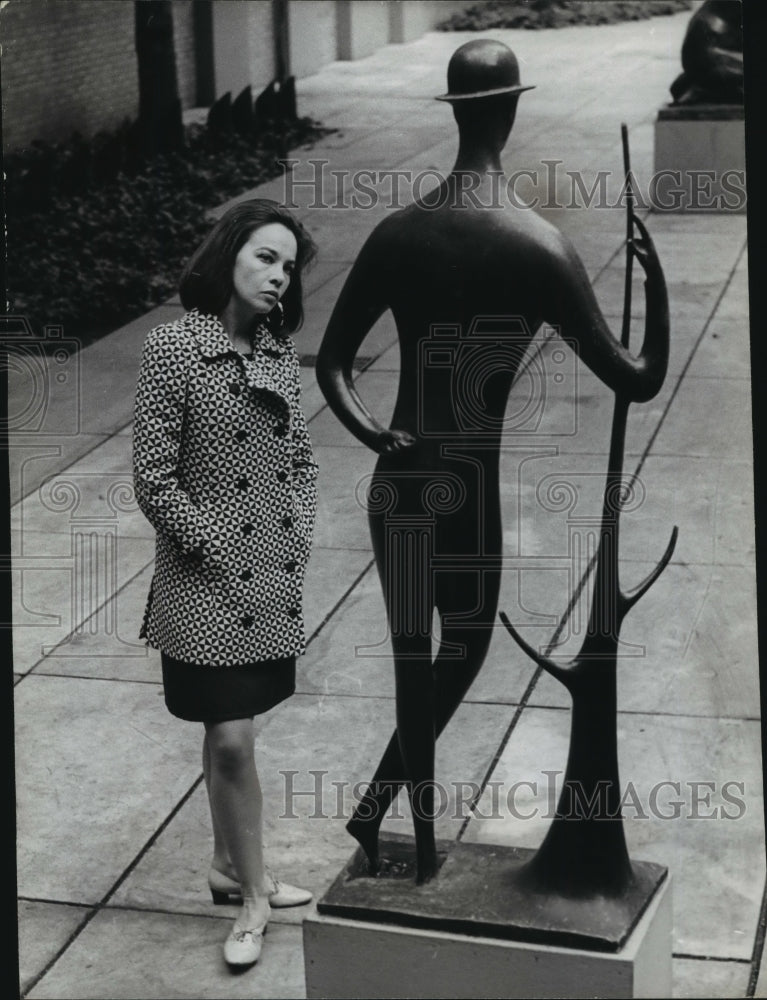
[535, 239]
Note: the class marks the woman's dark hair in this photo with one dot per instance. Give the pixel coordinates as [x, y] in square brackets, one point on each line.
[207, 281]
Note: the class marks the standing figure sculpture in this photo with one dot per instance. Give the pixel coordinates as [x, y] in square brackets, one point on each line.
[468, 286]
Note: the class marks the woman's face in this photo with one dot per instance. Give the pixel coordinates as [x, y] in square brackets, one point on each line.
[263, 267]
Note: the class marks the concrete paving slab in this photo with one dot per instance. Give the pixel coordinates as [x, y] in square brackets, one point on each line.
[117, 654]
[710, 500]
[319, 274]
[341, 513]
[52, 597]
[715, 915]
[352, 655]
[732, 304]
[98, 488]
[389, 361]
[90, 753]
[688, 647]
[698, 979]
[761, 982]
[109, 368]
[44, 930]
[378, 389]
[685, 335]
[725, 349]
[689, 430]
[180, 957]
[32, 460]
[330, 573]
[547, 498]
[694, 299]
[681, 255]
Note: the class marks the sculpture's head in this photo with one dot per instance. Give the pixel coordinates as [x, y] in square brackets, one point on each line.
[483, 85]
[482, 68]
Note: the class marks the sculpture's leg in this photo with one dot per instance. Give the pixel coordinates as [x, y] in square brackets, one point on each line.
[403, 549]
[452, 679]
[416, 738]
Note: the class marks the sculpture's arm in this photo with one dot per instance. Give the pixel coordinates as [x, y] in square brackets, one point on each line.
[359, 305]
[573, 308]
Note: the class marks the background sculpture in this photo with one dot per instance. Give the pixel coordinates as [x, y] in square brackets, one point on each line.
[472, 274]
[712, 56]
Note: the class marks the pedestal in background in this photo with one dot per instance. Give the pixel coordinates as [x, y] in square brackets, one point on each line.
[473, 932]
[700, 159]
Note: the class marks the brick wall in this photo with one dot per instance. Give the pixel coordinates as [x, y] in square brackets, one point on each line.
[68, 65]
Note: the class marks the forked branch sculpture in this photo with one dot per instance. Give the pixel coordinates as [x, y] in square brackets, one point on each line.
[584, 852]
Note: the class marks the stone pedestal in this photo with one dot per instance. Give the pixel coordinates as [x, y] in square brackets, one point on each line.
[700, 159]
[473, 932]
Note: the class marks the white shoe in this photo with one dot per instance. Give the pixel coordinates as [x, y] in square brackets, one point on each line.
[287, 895]
[225, 890]
[243, 946]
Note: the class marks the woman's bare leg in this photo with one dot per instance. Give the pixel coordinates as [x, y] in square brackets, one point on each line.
[221, 860]
[236, 801]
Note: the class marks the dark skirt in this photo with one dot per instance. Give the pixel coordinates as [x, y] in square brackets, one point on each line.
[220, 694]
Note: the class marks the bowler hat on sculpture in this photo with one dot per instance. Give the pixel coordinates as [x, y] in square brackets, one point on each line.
[482, 68]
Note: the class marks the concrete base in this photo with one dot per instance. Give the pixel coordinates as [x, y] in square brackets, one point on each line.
[354, 958]
[700, 159]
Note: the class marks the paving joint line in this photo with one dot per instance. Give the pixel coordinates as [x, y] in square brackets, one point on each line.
[86, 620]
[758, 952]
[98, 907]
[688, 363]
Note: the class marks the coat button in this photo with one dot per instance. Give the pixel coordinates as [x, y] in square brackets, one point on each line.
[235, 388]
[247, 621]
[287, 522]
[281, 476]
[247, 528]
[290, 566]
[293, 613]
[280, 430]
[247, 574]
[243, 483]
[241, 435]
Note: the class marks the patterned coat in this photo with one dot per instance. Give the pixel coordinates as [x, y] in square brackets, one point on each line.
[223, 470]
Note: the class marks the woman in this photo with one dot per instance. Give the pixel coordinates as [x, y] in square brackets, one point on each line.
[224, 471]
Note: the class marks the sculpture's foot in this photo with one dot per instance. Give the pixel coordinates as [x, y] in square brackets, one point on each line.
[366, 835]
[427, 867]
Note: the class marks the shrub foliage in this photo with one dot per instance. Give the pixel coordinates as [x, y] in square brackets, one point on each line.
[95, 237]
[557, 13]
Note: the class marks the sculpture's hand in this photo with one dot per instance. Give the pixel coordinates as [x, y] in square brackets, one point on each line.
[643, 248]
[391, 441]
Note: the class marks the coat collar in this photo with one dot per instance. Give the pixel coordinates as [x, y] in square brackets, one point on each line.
[213, 342]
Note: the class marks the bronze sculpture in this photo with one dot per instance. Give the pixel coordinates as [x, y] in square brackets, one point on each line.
[584, 852]
[443, 271]
[712, 56]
